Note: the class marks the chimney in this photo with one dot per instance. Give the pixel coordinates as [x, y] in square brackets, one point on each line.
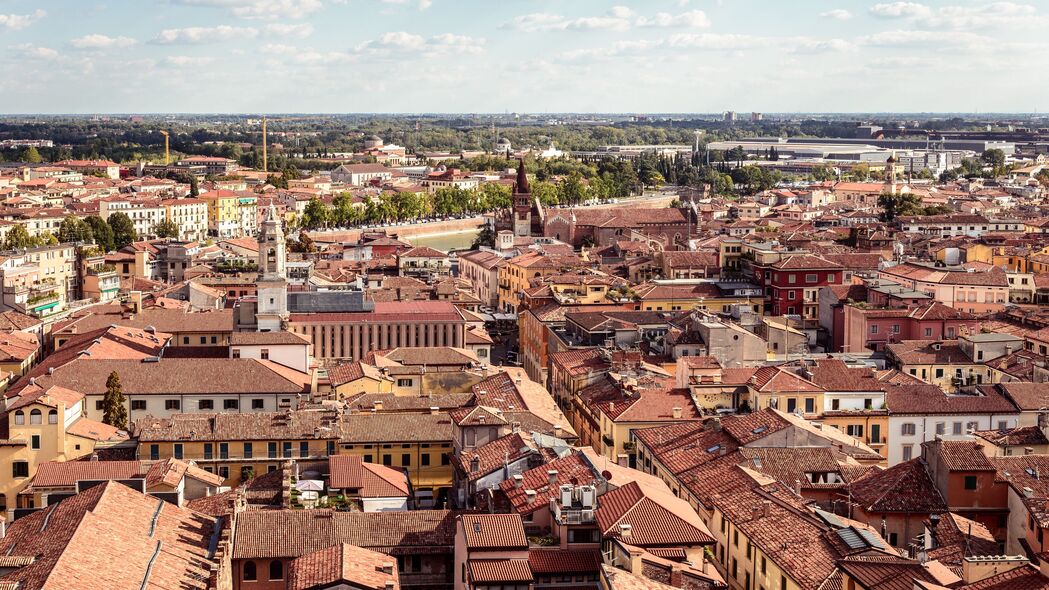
[558, 430]
[377, 404]
[677, 412]
[435, 410]
[623, 460]
[624, 531]
[552, 476]
[387, 567]
[518, 480]
[766, 507]
[531, 494]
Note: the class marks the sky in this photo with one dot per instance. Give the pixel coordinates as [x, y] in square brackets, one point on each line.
[495, 56]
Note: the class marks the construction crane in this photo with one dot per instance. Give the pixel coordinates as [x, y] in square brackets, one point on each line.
[167, 154]
[265, 145]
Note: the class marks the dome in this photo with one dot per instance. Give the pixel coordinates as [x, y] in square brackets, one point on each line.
[503, 140]
[373, 138]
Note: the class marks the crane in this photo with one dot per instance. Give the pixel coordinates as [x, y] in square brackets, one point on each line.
[265, 158]
[167, 154]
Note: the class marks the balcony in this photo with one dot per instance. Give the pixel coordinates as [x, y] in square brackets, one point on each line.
[102, 270]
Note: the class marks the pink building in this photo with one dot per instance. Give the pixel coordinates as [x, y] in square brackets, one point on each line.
[866, 328]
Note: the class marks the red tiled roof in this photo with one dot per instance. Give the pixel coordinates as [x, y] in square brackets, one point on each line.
[493, 531]
[372, 481]
[650, 522]
[342, 563]
[485, 571]
[904, 487]
[557, 561]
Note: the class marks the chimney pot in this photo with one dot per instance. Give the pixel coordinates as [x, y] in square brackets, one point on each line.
[552, 475]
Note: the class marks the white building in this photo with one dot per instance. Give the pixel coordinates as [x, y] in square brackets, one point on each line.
[145, 214]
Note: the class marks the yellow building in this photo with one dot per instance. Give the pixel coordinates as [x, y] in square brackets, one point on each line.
[231, 214]
[870, 427]
[605, 413]
[516, 274]
[19, 351]
[46, 425]
[685, 294]
[419, 443]
[238, 447]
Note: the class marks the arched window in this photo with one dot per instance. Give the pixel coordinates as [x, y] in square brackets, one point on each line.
[276, 570]
[19, 417]
[35, 417]
[249, 571]
[52, 417]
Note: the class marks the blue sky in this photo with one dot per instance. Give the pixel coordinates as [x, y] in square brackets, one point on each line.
[88, 56]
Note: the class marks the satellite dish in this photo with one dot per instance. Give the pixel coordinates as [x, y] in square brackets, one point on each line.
[607, 475]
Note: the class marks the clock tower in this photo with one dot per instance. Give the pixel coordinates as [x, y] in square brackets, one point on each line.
[522, 203]
[272, 282]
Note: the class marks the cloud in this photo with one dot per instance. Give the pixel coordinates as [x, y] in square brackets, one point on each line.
[900, 10]
[97, 41]
[30, 51]
[422, 4]
[203, 35]
[618, 18]
[837, 14]
[260, 9]
[290, 30]
[806, 45]
[13, 22]
[693, 19]
[995, 14]
[920, 38]
[401, 42]
[181, 61]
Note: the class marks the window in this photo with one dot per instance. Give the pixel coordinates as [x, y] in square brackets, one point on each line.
[907, 429]
[20, 417]
[203, 339]
[249, 574]
[171, 404]
[855, 430]
[223, 450]
[908, 451]
[970, 482]
[265, 354]
[229, 404]
[792, 278]
[790, 294]
[792, 405]
[154, 452]
[185, 339]
[209, 451]
[387, 460]
[956, 428]
[272, 450]
[36, 417]
[52, 417]
[247, 450]
[330, 447]
[424, 459]
[783, 583]
[835, 404]
[286, 449]
[214, 340]
[404, 383]
[276, 570]
[100, 405]
[895, 328]
[810, 405]
[874, 328]
[206, 404]
[20, 469]
[941, 428]
[928, 332]
[764, 566]
[812, 278]
[177, 450]
[235, 353]
[876, 433]
[304, 449]
[445, 459]
[258, 404]
[939, 373]
[35, 442]
[406, 459]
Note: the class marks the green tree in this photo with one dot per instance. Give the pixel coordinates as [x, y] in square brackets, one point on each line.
[485, 237]
[993, 157]
[822, 173]
[30, 155]
[113, 403]
[343, 210]
[166, 229]
[316, 214]
[74, 229]
[895, 205]
[123, 229]
[18, 238]
[101, 232]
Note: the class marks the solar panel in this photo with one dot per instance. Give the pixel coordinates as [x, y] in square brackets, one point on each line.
[851, 538]
[872, 539]
[830, 519]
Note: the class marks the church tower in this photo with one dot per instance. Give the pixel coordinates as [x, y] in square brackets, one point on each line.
[522, 203]
[272, 282]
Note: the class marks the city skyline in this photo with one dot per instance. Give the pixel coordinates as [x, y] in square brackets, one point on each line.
[392, 56]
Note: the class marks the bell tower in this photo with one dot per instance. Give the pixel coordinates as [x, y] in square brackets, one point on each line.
[522, 203]
[272, 282]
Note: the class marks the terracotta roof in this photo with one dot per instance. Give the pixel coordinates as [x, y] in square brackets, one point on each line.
[926, 398]
[493, 531]
[557, 561]
[67, 473]
[65, 539]
[292, 533]
[492, 456]
[572, 468]
[294, 425]
[396, 427]
[963, 455]
[1027, 577]
[904, 487]
[371, 480]
[486, 571]
[650, 522]
[343, 563]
